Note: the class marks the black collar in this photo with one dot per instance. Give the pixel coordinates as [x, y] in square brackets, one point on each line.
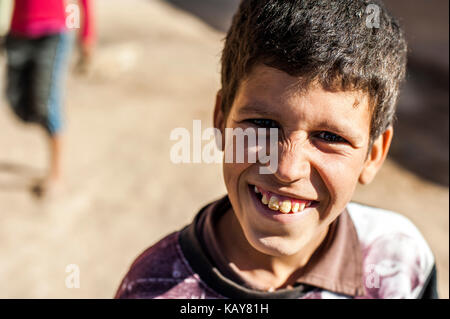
[197, 257]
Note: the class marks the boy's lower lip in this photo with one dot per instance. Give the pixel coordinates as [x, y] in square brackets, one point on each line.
[276, 215]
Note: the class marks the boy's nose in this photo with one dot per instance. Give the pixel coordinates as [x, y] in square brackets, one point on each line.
[292, 166]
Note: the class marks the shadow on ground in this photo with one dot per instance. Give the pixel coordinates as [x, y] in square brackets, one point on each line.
[216, 13]
[17, 177]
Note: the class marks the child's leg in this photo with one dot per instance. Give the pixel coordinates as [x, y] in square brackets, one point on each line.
[55, 172]
[53, 182]
[52, 64]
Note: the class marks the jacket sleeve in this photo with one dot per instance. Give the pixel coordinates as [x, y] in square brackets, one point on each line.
[429, 290]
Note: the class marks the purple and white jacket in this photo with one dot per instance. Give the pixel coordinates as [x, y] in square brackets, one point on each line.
[371, 253]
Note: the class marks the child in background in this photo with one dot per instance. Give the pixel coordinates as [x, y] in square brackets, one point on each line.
[327, 80]
[38, 47]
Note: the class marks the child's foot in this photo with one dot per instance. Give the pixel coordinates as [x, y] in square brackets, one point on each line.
[49, 187]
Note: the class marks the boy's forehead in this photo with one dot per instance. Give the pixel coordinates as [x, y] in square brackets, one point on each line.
[266, 86]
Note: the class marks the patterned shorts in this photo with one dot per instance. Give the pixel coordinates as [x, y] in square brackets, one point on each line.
[35, 77]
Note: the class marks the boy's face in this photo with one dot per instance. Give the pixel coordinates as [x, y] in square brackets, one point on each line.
[322, 153]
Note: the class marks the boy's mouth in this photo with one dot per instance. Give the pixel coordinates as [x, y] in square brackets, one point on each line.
[283, 204]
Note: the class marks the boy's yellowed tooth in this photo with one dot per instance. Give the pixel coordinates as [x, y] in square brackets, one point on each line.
[274, 203]
[302, 207]
[264, 199]
[295, 207]
[285, 206]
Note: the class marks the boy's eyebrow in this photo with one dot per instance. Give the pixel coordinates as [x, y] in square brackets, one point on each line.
[344, 130]
[259, 108]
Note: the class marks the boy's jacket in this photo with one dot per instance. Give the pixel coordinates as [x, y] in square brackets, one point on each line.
[370, 253]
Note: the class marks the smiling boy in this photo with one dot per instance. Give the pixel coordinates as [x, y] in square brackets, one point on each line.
[328, 82]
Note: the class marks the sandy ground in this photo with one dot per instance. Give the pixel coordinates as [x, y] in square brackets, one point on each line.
[156, 69]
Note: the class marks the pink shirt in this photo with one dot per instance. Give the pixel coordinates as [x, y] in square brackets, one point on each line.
[35, 18]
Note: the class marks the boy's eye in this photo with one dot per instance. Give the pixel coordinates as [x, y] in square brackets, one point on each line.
[330, 137]
[264, 123]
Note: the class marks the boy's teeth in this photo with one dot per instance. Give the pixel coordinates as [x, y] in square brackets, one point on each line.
[264, 199]
[273, 203]
[285, 206]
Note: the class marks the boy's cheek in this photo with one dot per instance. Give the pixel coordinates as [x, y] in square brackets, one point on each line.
[339, 180]
[234, 171]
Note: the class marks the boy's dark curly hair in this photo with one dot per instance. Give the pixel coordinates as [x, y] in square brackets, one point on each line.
[335, 43]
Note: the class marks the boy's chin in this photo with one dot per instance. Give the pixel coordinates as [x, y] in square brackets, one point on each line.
[277, 246]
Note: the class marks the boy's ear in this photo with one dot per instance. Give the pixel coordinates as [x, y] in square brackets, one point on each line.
[219, 119]
[376, 157]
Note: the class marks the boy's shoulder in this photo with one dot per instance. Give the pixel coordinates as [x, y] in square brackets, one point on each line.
[371, 223]
[157, 266]
[162, 271]
[396, 257]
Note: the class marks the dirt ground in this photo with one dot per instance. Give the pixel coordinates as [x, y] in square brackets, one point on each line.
[156, 68]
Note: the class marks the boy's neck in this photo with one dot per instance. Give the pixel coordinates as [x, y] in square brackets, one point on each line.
[260, 270]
